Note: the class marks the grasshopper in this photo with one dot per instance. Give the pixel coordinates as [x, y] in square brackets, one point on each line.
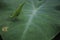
[17, 12]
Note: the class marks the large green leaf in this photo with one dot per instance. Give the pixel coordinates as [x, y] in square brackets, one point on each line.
[39, 19]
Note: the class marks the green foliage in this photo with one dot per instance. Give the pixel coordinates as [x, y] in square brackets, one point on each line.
[40, 19]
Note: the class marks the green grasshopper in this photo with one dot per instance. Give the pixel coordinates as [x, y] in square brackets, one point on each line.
[17, 12]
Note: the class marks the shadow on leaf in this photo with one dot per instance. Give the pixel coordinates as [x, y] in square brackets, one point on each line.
[57, 8]
[3, 5]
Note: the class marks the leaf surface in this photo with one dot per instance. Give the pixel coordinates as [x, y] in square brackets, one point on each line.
[40, 20]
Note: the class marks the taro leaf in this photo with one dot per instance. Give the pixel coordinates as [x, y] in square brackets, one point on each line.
[40, 20]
